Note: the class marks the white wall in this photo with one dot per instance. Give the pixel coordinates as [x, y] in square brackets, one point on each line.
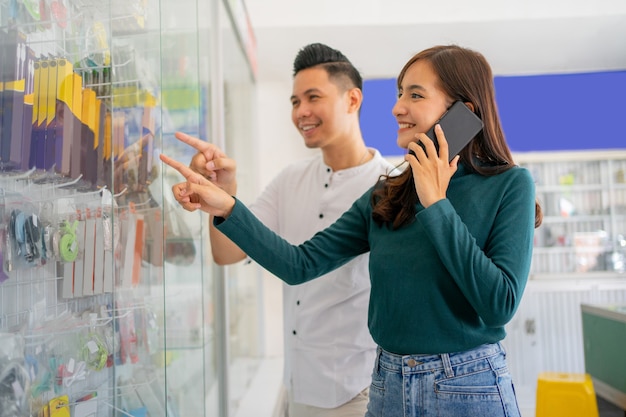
[280, 143]
[285, 13]
[517, 36]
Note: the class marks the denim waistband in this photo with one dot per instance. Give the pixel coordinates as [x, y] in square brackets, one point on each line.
[419, 362]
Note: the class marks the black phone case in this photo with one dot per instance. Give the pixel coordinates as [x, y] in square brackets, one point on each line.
[460, 125]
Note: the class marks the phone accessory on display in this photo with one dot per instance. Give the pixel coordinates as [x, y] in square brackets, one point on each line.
[32, 235]
[68, 245]
[24, 235]
[10, 249]
[46, 243]
[12, 224]
[86, 406]
[55, 242]
[111, 231]
[60, 406]
[72, 372]
[6, 255]
[14, 384]
[18, 221]
[94, 351]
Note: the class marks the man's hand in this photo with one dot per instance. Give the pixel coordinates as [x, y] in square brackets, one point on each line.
[212, 163]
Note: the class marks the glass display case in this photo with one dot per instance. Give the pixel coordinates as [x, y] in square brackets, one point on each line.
[109, 302]
[583, 197]
[243, 287]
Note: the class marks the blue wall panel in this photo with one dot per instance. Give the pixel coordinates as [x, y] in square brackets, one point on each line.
[378, 125]
[539, 113]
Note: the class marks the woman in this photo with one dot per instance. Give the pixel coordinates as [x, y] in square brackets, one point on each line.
[450, 248]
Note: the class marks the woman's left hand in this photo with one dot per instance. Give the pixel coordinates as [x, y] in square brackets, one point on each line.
[431, 172]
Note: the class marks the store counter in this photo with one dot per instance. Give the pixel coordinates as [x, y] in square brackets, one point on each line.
[604, 338]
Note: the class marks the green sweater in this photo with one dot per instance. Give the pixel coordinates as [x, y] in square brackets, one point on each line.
[447, 282]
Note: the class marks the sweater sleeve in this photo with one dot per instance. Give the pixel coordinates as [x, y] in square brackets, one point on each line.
[295, 264]
[492, 277]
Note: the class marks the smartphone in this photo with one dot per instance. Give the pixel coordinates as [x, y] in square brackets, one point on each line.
[460, 125]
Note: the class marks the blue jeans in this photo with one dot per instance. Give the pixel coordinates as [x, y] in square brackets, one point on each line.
[474, 383]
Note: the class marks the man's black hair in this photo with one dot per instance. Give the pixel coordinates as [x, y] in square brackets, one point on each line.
[332, 60]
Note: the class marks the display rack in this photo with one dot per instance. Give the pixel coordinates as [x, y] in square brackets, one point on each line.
[583, 197]
[107, 306]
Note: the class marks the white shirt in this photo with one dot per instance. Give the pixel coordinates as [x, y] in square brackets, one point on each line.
[329, 353]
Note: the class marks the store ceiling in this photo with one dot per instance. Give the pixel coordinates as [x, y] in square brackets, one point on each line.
[513, 47]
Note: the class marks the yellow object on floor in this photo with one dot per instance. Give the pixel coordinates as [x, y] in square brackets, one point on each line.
[565, 395]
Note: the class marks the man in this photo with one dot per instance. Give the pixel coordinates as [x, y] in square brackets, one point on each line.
[329, 353]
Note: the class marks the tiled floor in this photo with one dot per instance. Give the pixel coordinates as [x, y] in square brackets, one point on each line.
[606, 409]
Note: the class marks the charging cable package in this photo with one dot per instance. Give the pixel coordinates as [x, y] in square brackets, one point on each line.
[14, 378]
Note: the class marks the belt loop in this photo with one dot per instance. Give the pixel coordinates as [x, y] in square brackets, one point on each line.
[447, 366]
[379, 352]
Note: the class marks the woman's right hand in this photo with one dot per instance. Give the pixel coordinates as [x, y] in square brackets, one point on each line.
[431, 170]
[198, 193]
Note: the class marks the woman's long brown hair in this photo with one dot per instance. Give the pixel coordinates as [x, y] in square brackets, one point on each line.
[464, 75]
